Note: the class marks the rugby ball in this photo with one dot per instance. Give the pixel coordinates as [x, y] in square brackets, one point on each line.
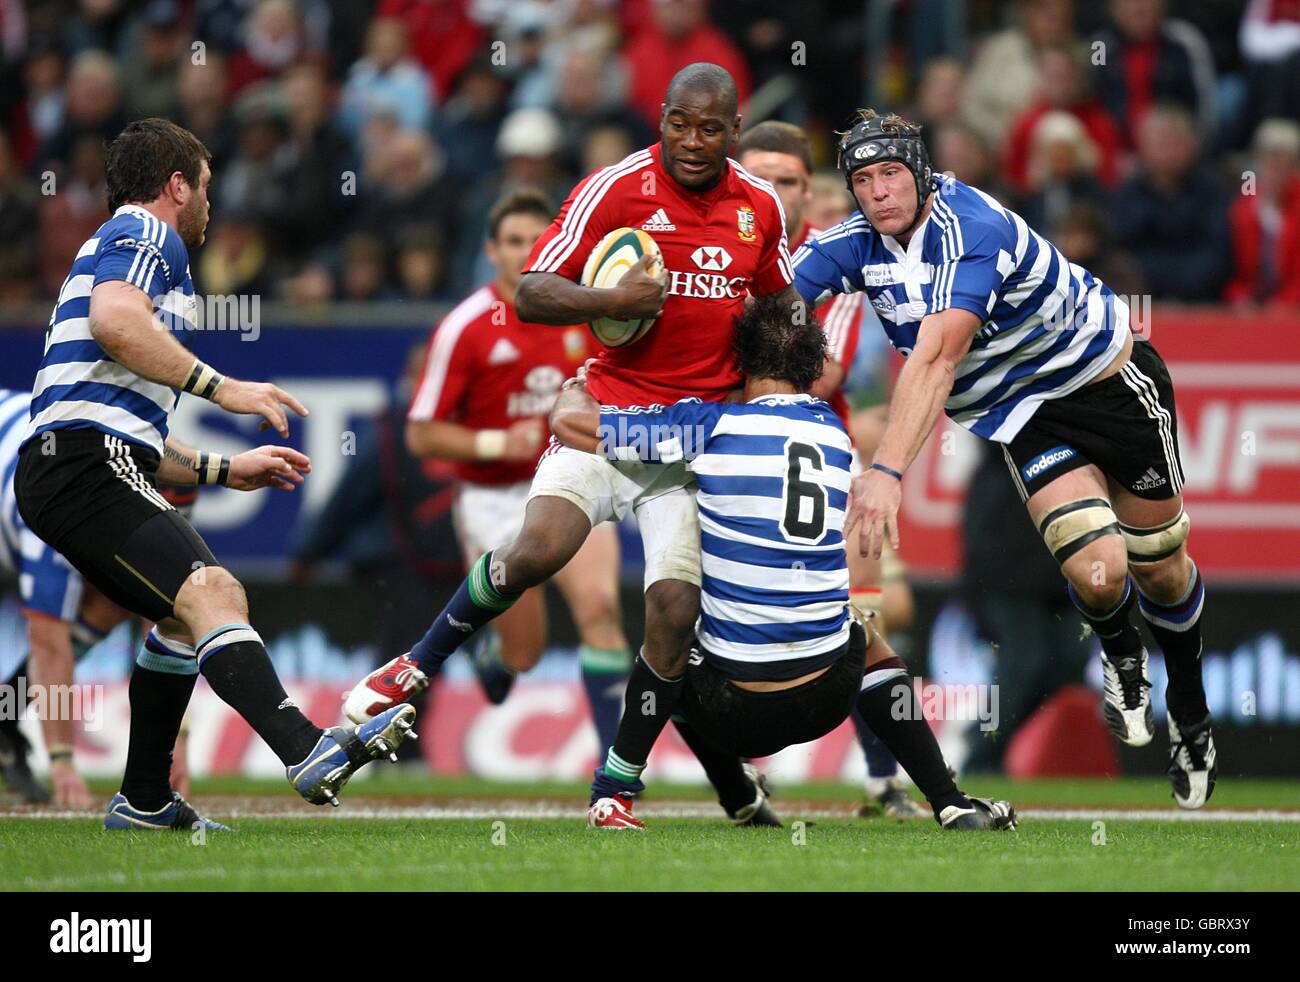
[613, 256]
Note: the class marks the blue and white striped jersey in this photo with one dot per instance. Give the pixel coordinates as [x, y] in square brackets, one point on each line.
[1049, 326]
[773, 479]
[46, 581]
[78, 385]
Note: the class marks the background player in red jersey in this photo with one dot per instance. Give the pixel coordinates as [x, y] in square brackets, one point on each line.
[779, 153]
[722, 235]
[488, 382]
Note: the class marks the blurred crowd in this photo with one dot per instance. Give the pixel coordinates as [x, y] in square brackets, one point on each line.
[358, 144]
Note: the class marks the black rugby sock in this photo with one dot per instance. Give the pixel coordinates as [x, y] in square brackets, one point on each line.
[724, 769]
[236, 665]
[1177, 630]
[648, 705]
[1115, 628]
[906, 733]
[158, 701]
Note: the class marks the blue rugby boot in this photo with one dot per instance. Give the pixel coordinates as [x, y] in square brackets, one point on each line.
[343, 750]
[178, 814]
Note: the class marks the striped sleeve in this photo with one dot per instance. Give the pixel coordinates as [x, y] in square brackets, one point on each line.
[448, 368]
[974, 265]
[586, 216]
[145, 252]
[829, 264]
[841, 319]
[657, 434]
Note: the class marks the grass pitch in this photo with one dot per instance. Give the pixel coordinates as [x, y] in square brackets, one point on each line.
[402, 833]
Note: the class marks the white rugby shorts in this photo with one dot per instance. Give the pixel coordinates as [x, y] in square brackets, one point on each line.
[661, 496]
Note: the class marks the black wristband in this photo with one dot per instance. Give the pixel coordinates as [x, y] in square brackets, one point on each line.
[887, 470]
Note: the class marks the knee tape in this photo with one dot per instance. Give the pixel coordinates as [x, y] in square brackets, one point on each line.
[1069, 527]
[1147, 546]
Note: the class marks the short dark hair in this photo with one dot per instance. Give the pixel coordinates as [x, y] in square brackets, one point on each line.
[774, 136]
[144, 156]
[706, 77]
[780, 340]
[521, 201]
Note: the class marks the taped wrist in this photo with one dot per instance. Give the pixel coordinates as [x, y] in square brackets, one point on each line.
[213, 468]
[203, 380]
[490, 444]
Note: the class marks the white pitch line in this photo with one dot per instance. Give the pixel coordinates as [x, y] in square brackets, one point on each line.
[546, 810]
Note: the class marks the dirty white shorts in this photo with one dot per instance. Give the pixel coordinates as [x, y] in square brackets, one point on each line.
[661, 496]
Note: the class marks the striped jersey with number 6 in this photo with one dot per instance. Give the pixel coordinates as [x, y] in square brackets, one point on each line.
[773, 480]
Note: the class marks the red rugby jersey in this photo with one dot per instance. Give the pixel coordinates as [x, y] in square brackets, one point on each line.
[841, 320]
[718, 246]
[487, 369]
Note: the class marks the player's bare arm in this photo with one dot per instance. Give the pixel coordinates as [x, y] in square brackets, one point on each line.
[923, 387]
[51, 659]
[549, 298]
[575, 418]
[262, 467]
[451, 441]
[122, 322]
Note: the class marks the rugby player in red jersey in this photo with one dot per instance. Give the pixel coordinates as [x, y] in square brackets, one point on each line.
[722, 235]
[779, 153]
[489, 381]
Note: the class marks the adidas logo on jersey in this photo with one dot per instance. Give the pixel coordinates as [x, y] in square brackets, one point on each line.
[659, 222]
[1149, 481]
[502, 352]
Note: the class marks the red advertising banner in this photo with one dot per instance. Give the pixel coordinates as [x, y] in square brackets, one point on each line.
[542, 732]
[1237, 380]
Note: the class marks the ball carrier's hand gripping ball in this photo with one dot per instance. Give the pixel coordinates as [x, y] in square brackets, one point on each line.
[870, 141]
[613, 256]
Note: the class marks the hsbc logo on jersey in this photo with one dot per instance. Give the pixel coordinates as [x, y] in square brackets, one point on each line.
[705, 286]
[714, 258]
[543, 385]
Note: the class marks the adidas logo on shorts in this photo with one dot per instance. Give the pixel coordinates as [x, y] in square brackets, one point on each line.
[1149, 481]
[659, 222]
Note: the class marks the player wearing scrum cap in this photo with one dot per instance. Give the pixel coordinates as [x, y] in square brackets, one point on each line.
[779, 153]
[780, 656]
[1026, 349]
